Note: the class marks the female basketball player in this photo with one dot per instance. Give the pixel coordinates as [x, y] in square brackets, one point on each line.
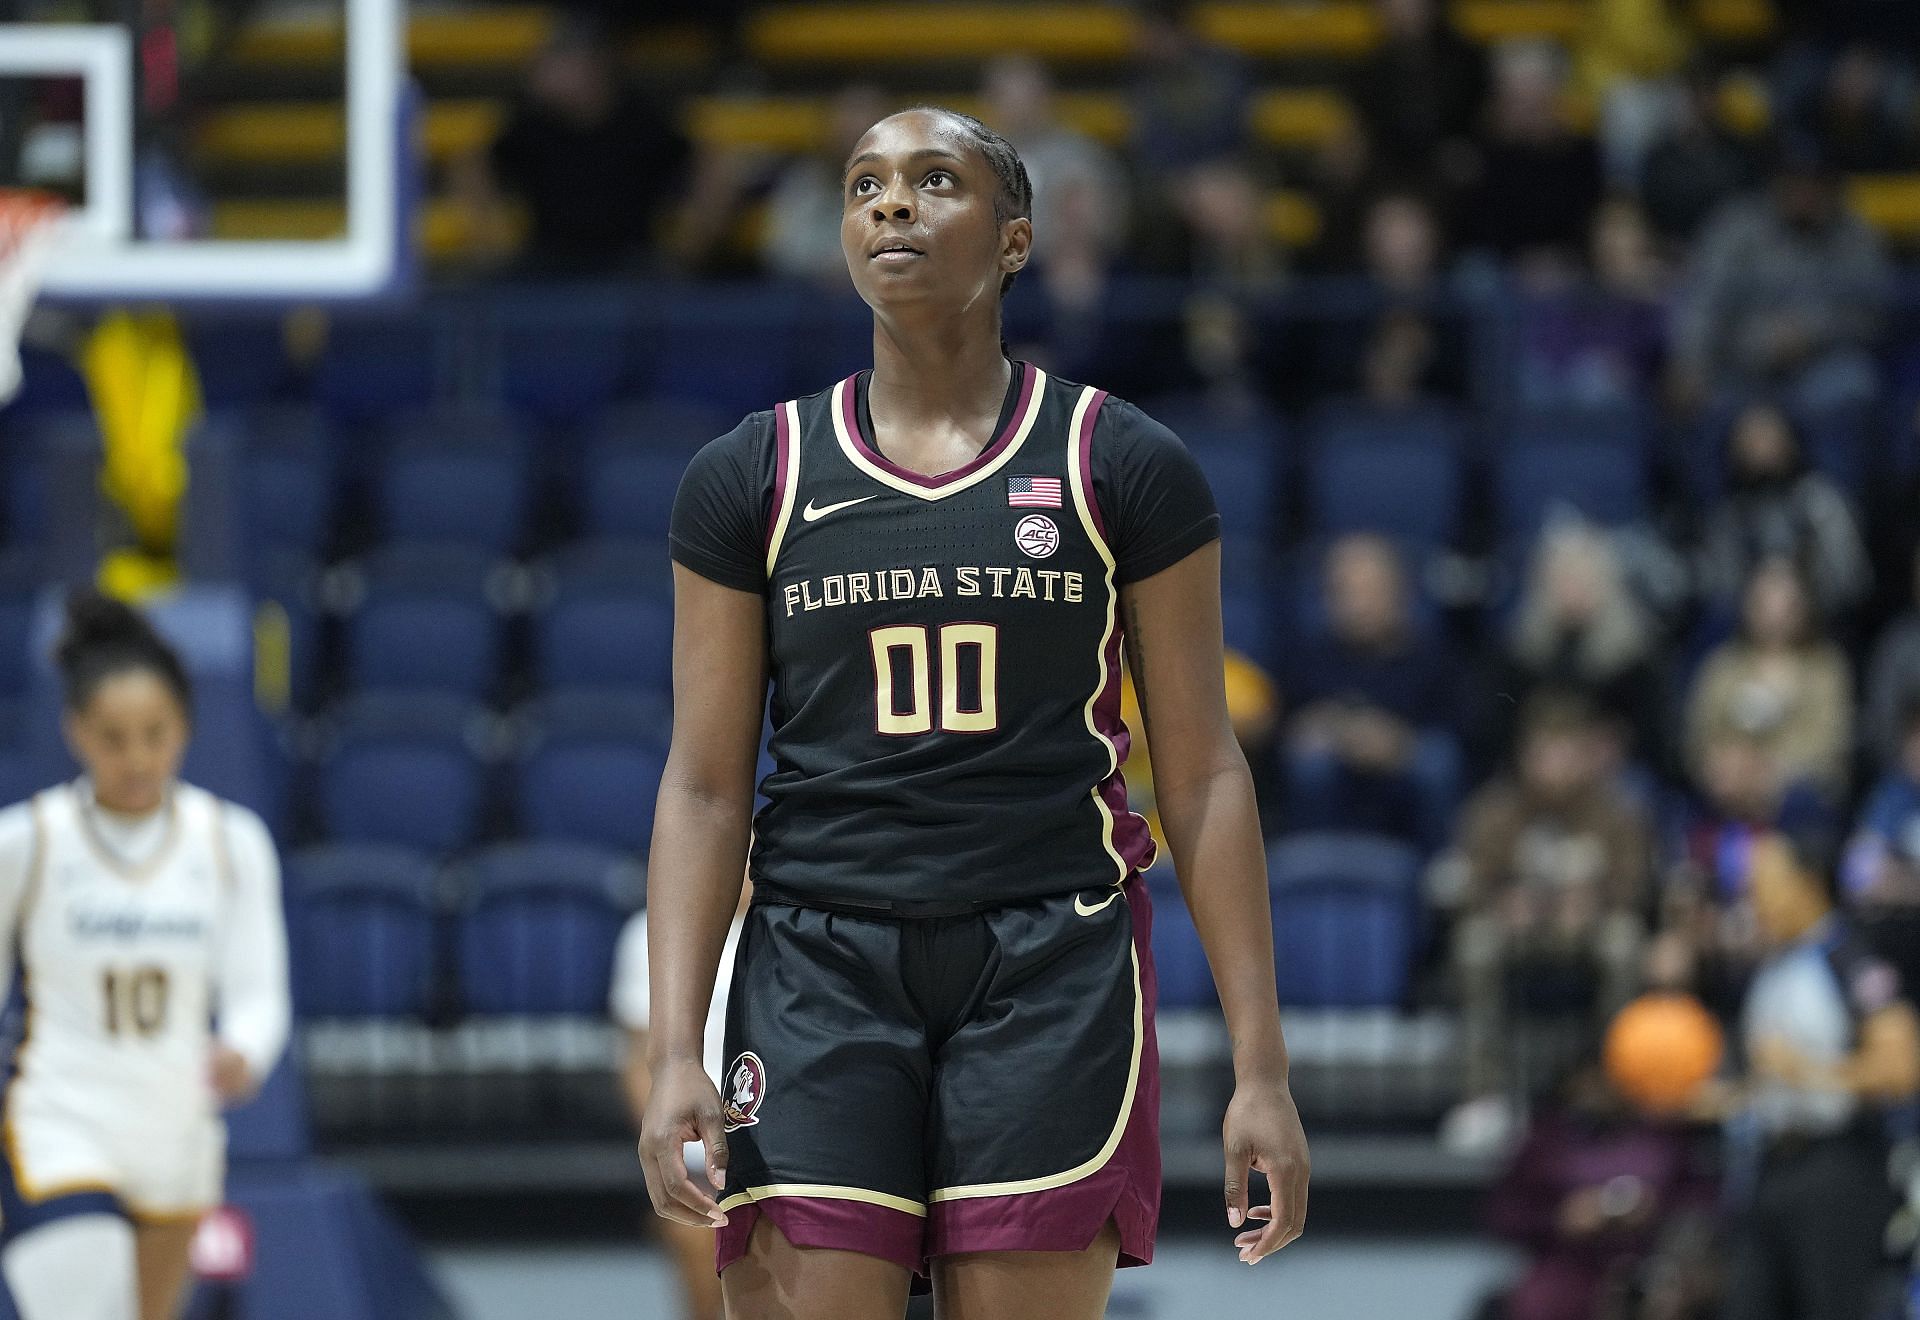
[940, 1054]
[141, 908]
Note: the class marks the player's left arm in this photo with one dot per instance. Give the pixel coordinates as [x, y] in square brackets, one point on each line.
[256, 1011]
[1205, 795]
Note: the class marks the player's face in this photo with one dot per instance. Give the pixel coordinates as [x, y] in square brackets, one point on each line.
[919, 223]
[130, 737]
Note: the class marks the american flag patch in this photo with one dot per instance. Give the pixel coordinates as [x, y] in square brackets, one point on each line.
[1033, 492]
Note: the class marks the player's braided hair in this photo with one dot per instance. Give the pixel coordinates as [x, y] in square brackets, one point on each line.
[1015, 196]
[105, 637]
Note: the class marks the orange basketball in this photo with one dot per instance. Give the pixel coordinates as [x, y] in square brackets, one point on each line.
[1661, 1048]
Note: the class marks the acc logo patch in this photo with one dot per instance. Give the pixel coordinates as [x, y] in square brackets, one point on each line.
[1036, 535]
[746, 1088]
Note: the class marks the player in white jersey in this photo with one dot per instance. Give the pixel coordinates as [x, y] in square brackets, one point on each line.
[145, 915]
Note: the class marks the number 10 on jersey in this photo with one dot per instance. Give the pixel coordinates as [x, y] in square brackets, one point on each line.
[903, 674]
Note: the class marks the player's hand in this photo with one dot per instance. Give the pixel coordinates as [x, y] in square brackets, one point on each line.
[1263, 1132]
[231, 1075]
[684, 1107]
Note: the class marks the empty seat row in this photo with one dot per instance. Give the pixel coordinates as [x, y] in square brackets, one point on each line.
[525, 928]
[418, 769]
[1347, 925]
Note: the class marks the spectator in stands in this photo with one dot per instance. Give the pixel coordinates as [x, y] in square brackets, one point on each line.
[1883, 860]
[1225, 240]
[1589, 1196]
[1406, 362]
[1707, 940]
[1817, 34]
[1420, 92]
[1555, 862]
[597, 167]
[1402, 247]
[1602, 340]
[1580, 628]
[1694, 164]
[1400, 338]
[1537, 184]
[1780, 680]
[1777, 508]
[1189, 96]
[1626, 59]
[1079, 196]
[1893, 677]
[1864, 115]
[1830, 1044]
[1787, 292]
[1367, 742]
[803, 214]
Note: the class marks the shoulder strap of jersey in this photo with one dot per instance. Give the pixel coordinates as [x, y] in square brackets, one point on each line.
[1080, 431]
[786, 476]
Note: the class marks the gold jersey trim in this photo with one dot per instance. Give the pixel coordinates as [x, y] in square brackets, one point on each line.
[825, 1192]
[954, 487]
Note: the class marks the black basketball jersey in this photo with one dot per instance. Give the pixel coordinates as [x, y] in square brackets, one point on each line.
[945, 651]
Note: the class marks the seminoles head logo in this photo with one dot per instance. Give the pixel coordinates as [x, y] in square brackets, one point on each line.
[1036, 535]
[746, 1087]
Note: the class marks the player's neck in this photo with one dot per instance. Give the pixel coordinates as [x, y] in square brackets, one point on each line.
[936, 373]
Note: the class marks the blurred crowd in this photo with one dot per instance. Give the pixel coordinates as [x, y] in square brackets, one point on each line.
[1601, 759]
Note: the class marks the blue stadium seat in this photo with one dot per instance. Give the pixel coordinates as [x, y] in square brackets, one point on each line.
[1201, 425]
[729, 347]
[1622, 426]
[1345, 919]
[1399, 475]
[1252, 623]
[374, 368]
[664, 424]
[49, 382]
[425, 620]
[403, 768]
[1601, 481]
[242, 363]
[363, 931]
[1246, 487]
[538, 927]
[273, 1125]
[21, 582]
[590, 767]
[609, 620]
[629, 490]
[456, 477]
[1179, 959]
[285, 586]
[561, 369]
[22, 774]
[29, 445]
[286, 478]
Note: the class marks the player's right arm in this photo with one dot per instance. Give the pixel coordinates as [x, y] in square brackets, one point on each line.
[700, 837]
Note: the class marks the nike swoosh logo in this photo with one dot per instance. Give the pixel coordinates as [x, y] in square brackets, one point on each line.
[812, 514]
[1080, 905]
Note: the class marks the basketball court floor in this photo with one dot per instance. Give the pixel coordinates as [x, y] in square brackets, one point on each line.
[1327, 1278]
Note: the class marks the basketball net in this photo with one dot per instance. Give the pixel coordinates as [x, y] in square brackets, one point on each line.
[30, 232]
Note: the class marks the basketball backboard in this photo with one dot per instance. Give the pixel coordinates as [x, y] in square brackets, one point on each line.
[163, 155]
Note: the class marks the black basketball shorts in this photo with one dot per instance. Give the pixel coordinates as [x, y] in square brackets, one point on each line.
[915, 1087]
